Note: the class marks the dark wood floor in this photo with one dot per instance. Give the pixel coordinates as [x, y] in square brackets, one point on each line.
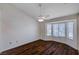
[41, 47]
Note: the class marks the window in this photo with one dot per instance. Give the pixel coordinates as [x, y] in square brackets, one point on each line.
[55, 30]
[70, 30]
[48, 29]
[61, 29]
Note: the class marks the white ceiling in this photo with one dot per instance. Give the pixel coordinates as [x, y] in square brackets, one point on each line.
[52, 9]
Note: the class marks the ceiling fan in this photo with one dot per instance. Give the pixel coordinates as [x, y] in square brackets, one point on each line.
[41, 18]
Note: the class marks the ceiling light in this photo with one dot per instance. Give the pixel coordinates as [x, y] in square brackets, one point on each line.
[41, 17]
[40, 20]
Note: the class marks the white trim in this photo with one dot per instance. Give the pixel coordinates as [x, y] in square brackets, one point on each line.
[62, 21]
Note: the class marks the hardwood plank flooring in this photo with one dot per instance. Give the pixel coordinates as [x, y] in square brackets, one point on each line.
[41, 47]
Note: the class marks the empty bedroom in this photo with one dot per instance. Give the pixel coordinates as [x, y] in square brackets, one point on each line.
[39, 28]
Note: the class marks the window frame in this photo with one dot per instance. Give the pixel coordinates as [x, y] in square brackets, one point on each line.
[65, 21]
[58, 30]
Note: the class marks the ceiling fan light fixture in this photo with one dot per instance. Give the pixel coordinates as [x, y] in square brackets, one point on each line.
[43, 17]
[40, 20]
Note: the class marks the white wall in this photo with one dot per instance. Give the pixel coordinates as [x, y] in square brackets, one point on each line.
[1, 46]
[17, 27]
[72, 43]
[78, 30]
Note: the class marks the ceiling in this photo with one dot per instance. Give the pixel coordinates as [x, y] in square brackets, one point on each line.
[52, 10]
